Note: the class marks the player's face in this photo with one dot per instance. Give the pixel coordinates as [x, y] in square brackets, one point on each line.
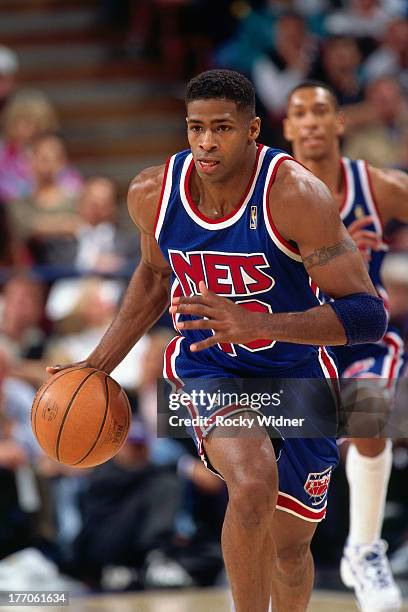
[220, 136]
[313, 124]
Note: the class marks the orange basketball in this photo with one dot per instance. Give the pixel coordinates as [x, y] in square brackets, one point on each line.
[81, 417]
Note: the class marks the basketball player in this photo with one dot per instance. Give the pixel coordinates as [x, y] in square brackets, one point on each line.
[230, 220]
[367, 198]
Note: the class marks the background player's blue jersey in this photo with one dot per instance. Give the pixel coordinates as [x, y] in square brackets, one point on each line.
[242, 257]
[383, 359]
[358, 202]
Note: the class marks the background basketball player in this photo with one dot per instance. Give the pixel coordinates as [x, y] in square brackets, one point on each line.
[367, 198]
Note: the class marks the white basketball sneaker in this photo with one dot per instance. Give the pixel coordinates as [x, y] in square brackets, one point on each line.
[366, 569]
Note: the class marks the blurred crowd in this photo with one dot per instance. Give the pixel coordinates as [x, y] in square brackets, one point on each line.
[152, 516]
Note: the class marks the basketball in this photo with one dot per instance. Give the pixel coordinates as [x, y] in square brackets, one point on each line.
[81, 417]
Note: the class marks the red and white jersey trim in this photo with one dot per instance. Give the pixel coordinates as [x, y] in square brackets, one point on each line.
[214, 224]
[283, 245]
[290, 504]
[349, 188]
[330, 372]
[369, 196]
[175, 291]
[164, 197]
[169, 367]
[385, 298]
[315, 290]
[327, 363]
[394, 360]
[366, 186]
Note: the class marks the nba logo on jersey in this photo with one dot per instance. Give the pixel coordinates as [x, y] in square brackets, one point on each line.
[359, 211]
[317, 485]
[253, 222]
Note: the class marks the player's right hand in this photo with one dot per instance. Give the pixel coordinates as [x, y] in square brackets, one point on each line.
[366, 240]
[54, 369]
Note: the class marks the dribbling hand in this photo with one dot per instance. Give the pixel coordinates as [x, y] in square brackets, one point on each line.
[54, 369]
[229, 322]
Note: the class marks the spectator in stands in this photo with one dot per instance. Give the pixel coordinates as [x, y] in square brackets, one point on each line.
[102, 245]
[364, 20]
[17, 445]
[152, 358]
[22, 312]
[47, 219]
[395, 275]
[166, 450]
[26, 115]
[68, 178]
[391, 58]
[28, 510]
[63, 487]
[12, 250]
[253, 38]
[129, 511]
[8, 73]
[19, 494]
[254, 34]
[398, 240]
[85, 307]
[382, 142]
[21, 324]
[338, 66]
[276, 74]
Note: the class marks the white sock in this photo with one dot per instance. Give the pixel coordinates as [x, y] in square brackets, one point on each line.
[368, 483]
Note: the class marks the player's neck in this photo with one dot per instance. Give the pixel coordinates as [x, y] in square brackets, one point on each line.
[219, 199]
[328, 170]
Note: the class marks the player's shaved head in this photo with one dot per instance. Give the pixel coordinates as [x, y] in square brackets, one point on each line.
[223, 85]
[312, 84]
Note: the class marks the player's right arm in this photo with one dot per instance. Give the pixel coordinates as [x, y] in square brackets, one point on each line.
[148, 293]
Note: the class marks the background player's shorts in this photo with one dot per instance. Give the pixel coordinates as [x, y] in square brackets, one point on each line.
[304, 463]
[369, 374]
[383, 359]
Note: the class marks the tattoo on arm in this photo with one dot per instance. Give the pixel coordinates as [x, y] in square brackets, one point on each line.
[322, 256]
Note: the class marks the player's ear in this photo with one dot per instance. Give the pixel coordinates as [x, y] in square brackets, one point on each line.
[254, 128]
[341, 123]
[287, 131]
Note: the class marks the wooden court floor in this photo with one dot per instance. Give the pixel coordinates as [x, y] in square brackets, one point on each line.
[195, 600]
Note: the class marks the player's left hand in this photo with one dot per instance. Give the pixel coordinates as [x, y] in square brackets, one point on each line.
[365, 239]
[229, 322]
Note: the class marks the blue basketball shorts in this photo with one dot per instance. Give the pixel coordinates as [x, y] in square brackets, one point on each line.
[304, 464]
[382, 360]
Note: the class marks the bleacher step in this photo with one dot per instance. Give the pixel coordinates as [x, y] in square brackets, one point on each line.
[17, 22]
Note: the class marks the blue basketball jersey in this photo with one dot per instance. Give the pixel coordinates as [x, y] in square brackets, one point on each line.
[358, 202]
[242, 257]
[383, 359]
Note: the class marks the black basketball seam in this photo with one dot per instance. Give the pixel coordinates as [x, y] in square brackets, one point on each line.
[129, 414]
[64, 418]
[102, 425]
[129, 408]
[34, 417]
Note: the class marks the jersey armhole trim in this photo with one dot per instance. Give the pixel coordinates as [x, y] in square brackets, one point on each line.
[367, 186]
[164, 197]
[349, 187]
[284, 245]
